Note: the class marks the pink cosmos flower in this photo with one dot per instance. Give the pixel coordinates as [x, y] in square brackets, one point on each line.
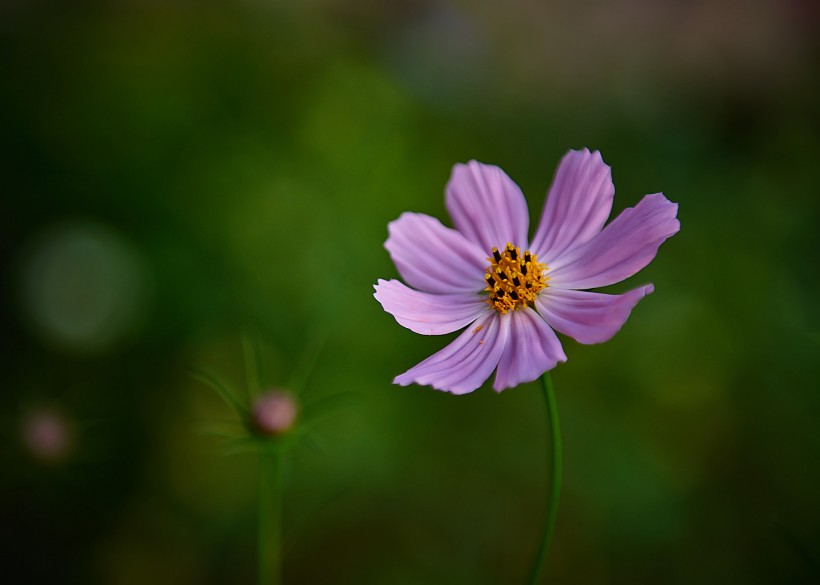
[513, 293]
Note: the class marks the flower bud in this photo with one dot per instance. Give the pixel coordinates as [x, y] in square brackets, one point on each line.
[47, 435]
[274, 412]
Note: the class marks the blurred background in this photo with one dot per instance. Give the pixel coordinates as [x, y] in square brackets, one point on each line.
[177, 174]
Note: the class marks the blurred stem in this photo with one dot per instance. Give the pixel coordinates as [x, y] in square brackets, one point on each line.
[554, 464]
[270, 518]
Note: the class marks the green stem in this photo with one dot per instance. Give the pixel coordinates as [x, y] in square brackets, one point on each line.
[270, 518]
[554, 463]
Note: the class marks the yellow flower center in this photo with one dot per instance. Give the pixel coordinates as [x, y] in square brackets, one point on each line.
[514, 279]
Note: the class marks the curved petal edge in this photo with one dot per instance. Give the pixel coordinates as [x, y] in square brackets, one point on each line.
[532, 349]
[487, 206]
[589, 317]
[466, 363]
[426, 313]
[578, 204]
[621, 249]
[434, 258]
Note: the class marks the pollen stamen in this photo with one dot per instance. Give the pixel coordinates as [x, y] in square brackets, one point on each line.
[514, 279]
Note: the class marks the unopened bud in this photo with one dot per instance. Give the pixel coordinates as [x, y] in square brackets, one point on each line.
[47, 435]
[274, 412]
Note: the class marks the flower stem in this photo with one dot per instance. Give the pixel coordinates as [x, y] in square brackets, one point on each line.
[554, 463]
[270, 518]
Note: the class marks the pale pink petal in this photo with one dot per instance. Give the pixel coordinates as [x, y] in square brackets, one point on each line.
[588, 317]
[487, 207]
[623, 248]
[434, 258]
[467, 362]
[429, 314]
[532, 348]
[578, 204]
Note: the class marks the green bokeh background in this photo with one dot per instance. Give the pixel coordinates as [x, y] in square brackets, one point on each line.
[231, 168]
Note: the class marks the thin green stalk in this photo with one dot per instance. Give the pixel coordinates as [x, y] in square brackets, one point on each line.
[270, 518]
[554, 464]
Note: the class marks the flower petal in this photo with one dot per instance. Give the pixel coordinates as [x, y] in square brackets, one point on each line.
[588, 317]
[467, 362]
[487, 207]
[623, 248]
[426, 313]
[532, 348]
[434, 258]
[578, 204]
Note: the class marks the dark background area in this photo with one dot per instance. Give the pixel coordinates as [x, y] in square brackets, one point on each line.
[178, 174]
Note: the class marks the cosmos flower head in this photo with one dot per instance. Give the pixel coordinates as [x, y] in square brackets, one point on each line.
[510, 292]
